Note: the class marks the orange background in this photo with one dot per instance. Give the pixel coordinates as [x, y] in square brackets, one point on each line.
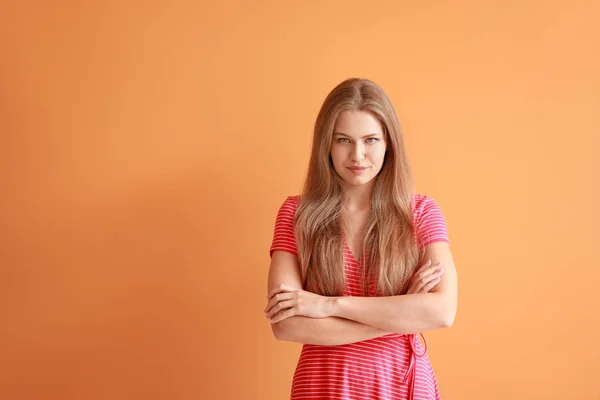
[147, 146]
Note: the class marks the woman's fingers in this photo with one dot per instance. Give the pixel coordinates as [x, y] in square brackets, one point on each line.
[431, 284]
[426, 279]
[280, 316]
[426, 269]
[282, 288]
[276, 299]
[278, 307]
[426, 264]
[430, 281]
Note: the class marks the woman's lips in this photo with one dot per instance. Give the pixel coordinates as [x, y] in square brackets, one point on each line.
[358, 170]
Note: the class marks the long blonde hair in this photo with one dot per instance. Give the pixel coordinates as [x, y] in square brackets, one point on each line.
[392, 253]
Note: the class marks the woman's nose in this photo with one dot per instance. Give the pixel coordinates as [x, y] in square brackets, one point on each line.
[358, 152]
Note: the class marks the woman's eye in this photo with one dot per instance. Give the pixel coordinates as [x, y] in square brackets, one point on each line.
[369, 140]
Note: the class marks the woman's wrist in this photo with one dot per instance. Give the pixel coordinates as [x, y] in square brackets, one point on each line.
[333, 306]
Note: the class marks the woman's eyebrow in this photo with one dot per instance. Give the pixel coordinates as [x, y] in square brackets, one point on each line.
[366, 136]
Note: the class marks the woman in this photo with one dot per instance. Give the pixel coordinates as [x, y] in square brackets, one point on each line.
[359, 263]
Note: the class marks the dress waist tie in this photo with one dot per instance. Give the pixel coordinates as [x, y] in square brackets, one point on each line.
[412, 366]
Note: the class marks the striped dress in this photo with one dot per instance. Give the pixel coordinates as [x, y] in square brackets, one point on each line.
[391, 367]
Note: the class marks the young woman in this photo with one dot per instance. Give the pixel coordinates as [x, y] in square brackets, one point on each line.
[359, 263]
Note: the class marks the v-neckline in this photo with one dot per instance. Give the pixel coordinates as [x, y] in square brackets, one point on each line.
[350, 251]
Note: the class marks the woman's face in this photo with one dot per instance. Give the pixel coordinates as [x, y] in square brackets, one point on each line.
[358, 147]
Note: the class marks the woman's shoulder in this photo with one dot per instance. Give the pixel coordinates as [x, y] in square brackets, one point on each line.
[429, 220]
[292, 200]
[425, 209]
[290, 204]
[419, 200]
[422, 203]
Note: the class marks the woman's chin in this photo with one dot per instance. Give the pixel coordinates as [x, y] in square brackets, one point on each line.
[358, 180]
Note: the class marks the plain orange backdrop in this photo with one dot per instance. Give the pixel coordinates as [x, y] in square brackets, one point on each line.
[147, 145]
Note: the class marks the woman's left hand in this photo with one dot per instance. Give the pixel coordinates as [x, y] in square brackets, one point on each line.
[285, 301]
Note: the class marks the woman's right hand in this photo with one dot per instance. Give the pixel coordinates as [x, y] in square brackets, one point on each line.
[425, 278]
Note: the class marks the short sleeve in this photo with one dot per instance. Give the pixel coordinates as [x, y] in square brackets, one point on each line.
[430, 224]
[283, 235]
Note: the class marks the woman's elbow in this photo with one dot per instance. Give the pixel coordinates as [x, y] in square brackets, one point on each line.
[447, 321]
[279, 331]
[447, 317]
[443, 314]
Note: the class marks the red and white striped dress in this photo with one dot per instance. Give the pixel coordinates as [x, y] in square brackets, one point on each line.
[391, 367]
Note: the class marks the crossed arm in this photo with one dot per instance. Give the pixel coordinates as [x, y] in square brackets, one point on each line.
[348, 319]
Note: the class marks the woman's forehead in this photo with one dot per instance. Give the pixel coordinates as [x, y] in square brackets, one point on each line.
[357, 124]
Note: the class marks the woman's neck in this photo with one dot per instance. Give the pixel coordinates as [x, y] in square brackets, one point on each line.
[358, 198]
